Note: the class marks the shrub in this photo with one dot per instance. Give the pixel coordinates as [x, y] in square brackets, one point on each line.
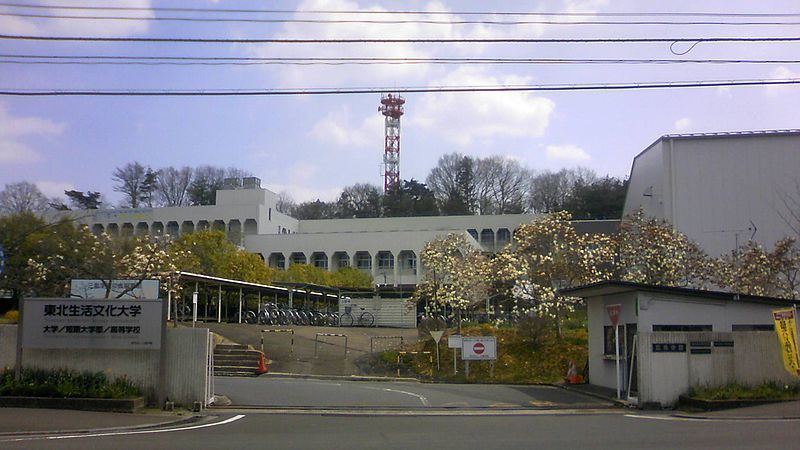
[11, 316]
[65, 383]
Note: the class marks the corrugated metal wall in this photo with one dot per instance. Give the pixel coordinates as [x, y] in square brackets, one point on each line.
[752, 359]
[388, 312]
[187, 357]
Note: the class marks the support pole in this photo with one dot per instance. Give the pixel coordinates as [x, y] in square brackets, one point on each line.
[219, 304]
[194, 305]
[616, 354]
[240, 305]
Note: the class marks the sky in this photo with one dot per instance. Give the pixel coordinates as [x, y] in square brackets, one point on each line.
[313, 146]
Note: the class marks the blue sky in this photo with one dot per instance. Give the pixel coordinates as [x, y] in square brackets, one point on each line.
[312, 146]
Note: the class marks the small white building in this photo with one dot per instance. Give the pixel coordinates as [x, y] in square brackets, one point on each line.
[719, 189]
[682, 337]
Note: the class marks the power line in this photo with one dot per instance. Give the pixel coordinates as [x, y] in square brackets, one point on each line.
[189, 60]
[402, 90]
[398, 22]
[403, 12]
[407, 41]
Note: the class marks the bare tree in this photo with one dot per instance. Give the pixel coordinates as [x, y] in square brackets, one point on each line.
[136, 182]
[173, 186]
[550, 191]
[452, 182]
[789, 210]
[22, 197]
[501, 185]
[285, 203]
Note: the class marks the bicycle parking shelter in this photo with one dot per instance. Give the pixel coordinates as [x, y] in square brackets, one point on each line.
[247, 292]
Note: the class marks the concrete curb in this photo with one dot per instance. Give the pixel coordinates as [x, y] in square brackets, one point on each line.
[171, 423]
[616, 402]
[336, 377]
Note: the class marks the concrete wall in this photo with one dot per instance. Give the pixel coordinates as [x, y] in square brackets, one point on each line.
[754, 359]
[187, 358]
[602, 368]
[673, 309]
[646, 186]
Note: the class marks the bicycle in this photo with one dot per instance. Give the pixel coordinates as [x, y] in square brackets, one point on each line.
[365, 319]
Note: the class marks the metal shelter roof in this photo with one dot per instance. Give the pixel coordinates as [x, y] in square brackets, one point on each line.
[189, 276]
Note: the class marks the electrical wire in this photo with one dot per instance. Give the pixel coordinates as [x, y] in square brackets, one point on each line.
[405, 41]
[401, 90]
[399, 22]
[189, 60]
[405, 12]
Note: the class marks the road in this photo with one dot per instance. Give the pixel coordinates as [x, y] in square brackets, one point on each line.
[545, 430]
[294, 392]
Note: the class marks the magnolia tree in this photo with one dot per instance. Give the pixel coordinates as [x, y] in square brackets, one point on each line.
[456, 274]
[547, 255]
[752, 270]
[652, 252]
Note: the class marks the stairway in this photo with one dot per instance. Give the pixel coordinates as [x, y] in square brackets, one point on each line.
[234, 360]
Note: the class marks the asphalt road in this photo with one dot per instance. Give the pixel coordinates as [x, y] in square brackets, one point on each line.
[294, 392]
[548, 431]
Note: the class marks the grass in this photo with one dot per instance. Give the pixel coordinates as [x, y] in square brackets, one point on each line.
[65, 383]
[767, 391]
[527, 353]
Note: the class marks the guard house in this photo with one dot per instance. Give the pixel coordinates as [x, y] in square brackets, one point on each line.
[673, 338]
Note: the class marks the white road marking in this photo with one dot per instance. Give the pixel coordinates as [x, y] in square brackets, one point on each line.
[420, 397]
[123, 433]
[721, 419]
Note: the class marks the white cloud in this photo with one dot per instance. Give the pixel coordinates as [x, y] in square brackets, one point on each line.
[462, 118]
[54, 188]
[567, 152]
[84, 27]
[781, 72]
[13, 129]
[337, 128]
[724, 92]
[302, 193]
[683, 123]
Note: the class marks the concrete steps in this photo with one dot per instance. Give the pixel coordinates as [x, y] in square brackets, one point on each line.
[234, 360]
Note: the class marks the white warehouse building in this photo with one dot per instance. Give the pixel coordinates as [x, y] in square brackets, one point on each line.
[719, 189]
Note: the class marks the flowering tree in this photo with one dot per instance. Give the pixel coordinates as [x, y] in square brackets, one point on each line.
[750, 269]
[547, 255]
[456, 273]
[652, 252]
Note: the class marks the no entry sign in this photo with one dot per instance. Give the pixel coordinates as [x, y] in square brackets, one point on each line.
[478, 348]
[613, 313]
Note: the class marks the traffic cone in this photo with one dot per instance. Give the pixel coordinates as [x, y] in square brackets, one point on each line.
[572, 374]
[262, 365]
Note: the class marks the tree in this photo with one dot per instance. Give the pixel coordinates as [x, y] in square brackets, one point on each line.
[203, 188]
[549, 255]
[284, 202]
[452, 183]
[601, 199]
[501, 184]
[411, 198]
[136, 182]
[22, 197]
[350, 277]
[79, 200]
[752, 270]
[314, 210]
[456, 274]
[359, 201]
[173, 185]
[653, 252]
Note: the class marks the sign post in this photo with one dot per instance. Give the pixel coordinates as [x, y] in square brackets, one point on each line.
[478, 348]
[454, 342]
[613, 314]
[194, 306]
[437, 335]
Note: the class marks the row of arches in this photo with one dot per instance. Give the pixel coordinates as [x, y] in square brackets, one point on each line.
[234, 229]
[379, 263]
[490, 240]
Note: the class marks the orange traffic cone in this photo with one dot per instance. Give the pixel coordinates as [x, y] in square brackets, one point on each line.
[262, 365]
[572, 374]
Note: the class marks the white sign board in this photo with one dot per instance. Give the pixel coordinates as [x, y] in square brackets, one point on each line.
[108, 323]
[120, 289]
[454, 341]
[481, 348]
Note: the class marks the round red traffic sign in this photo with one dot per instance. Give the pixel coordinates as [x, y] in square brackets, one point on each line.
[478, 348]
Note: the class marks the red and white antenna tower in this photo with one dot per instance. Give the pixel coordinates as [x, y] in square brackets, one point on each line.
[392, 108]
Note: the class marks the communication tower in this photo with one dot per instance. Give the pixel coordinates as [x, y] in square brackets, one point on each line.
[391, 108]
